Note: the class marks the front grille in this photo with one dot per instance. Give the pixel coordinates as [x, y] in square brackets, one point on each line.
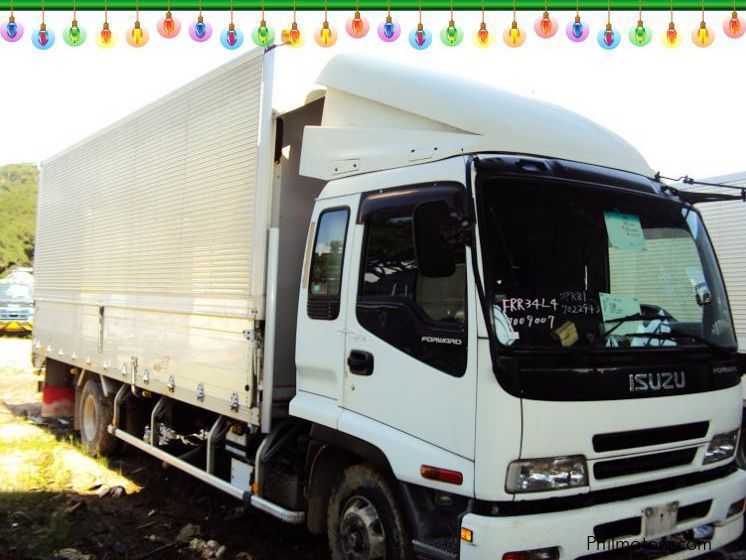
[653, 436]
[15, 314]
[643, 463]
[693, 511]
[623, 528]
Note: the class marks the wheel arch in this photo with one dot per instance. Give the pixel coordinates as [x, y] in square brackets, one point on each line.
[330, 452]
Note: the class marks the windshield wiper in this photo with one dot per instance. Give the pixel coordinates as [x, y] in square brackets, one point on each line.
[620, 321]
[673, 333]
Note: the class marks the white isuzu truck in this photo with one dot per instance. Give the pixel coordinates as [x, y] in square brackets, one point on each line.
[428, 318]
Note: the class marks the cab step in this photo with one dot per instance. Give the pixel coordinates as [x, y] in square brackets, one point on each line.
[439, 548]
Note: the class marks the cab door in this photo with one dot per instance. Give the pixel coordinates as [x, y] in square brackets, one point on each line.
[322, 306]
[410, 333]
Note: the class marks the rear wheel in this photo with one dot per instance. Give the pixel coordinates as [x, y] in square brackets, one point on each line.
[96, 412]
[364, 521]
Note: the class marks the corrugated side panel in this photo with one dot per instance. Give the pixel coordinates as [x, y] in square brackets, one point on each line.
[159, 220]
[726, 223]
[161, 204]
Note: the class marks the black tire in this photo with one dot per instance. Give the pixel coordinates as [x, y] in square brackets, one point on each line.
[96, 413]
[364, 521]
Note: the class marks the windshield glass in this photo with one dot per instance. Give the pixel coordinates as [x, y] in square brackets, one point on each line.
[19, 293]
[571, 266]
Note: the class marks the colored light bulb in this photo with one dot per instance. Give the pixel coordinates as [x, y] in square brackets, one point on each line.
[514, 36]
[292, 36]
[640, 35]
[325, 36]
[169, 26]
[231, 37]
[137, 36]
[671, 37]
[43, 38]
[11, 31]
[263, 35]
[546, 26]
[734, 26]
[388, 30]
[483, 38]
[451, 35]
[105, 38]
[357, 26]
[609, 38]
[74, 35]
[577, 31]
[703, 36]
[420, 38]
[200, 30]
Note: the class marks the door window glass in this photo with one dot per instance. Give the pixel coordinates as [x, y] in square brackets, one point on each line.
[422, 316]
[326, 264]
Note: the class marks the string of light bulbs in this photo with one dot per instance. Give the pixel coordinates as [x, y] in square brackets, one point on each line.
[357, 27]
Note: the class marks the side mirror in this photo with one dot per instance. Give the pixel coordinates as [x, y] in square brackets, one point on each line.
[432, 221]
[703, 294]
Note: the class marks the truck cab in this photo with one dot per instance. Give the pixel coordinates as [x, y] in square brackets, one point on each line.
[540, 347]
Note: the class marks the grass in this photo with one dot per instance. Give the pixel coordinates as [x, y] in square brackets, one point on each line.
[40, 475]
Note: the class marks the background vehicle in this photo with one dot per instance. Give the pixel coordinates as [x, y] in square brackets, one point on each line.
[457, 325]
[17, 302]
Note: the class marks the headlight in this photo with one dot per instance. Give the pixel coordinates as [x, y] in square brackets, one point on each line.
[722, 447]
[554, 473]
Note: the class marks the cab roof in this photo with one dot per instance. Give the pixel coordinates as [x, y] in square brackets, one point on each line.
[379, 115]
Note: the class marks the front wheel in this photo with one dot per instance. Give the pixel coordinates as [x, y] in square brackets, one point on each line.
[363, 519]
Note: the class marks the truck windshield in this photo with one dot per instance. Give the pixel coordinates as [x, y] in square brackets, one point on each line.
[20, 293]
[571, 266]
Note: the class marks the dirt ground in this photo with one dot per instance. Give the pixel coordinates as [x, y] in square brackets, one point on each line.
[49, 495]
[56, 503]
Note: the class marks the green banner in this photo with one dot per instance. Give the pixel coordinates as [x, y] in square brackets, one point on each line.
[347, 5]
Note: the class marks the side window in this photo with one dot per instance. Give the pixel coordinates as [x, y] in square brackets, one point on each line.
[325, 282]
[422, 316]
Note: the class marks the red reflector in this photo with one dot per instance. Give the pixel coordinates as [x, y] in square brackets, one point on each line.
[441, 475]
[516, 556]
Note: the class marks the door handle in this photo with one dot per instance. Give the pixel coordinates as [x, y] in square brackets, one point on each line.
[360, 362]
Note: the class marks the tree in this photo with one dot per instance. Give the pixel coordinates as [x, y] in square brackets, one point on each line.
[18, 187]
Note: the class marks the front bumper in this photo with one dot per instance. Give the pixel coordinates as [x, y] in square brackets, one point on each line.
[16, 326]
[572, 530]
